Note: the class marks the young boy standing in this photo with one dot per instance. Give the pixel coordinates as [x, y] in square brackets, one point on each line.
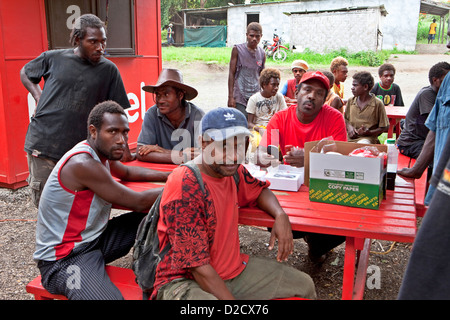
[365, 115]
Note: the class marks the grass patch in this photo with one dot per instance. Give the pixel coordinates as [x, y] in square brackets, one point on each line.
[193, 54]
[315, 60]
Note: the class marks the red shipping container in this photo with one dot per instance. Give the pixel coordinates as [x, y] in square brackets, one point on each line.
[24, 36]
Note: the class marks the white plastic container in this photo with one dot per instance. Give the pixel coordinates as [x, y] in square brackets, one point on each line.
[392, 160]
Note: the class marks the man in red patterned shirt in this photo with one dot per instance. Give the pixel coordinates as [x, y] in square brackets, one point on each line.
[205, 261]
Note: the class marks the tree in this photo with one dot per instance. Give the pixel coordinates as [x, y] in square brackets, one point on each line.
[169, 8]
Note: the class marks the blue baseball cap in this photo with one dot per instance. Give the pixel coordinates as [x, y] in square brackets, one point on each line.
[223, 123]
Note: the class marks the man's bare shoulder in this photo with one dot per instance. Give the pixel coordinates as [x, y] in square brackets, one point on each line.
[82, 162]
[234, 52]
[82, 171]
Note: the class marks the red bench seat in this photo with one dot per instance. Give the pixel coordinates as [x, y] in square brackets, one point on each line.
[123, 278]
[420, 184]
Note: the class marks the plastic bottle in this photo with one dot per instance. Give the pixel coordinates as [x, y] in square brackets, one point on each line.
[392, 159]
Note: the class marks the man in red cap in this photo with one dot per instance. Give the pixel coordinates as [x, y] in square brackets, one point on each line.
[309, 120]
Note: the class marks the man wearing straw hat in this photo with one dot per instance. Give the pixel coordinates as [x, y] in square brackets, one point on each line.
[167, 134]
[298, 67]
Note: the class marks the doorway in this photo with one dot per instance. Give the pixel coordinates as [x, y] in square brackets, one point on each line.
[252, 17]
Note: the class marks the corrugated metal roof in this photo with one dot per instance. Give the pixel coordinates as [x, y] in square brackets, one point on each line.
[382, 9]
[433, 7]
[220, 13]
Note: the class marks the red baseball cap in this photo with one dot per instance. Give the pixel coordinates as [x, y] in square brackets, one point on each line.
[318, 76]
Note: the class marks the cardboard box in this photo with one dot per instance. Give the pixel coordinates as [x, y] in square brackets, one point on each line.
[285, 178]
[345, 180]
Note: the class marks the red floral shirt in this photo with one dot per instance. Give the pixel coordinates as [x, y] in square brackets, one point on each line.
[203, 228]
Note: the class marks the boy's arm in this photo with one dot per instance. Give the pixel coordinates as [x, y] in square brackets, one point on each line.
[251, 121]
[373, 132]
[423, 160]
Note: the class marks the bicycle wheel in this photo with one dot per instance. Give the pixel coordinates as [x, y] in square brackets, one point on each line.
[279, 55]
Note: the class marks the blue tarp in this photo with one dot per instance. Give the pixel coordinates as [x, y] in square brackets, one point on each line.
[214, 36]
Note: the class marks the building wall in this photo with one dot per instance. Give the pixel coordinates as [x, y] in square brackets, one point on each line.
[399, 28]
[357, 31]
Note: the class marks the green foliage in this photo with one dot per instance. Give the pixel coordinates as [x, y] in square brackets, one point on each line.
[422, 30]
[362, 58]
[191, 54]
[265, 1]
[169, 8]
[315, 60]
[424, 27]
[369, 58]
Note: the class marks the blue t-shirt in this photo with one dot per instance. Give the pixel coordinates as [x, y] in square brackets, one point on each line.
[439, 119]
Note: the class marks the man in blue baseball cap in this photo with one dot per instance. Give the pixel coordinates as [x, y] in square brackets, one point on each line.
[224, 123]
[204, 261]
[221, 125]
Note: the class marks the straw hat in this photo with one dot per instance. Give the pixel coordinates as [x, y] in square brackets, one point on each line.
[172, 78]
[300, 64]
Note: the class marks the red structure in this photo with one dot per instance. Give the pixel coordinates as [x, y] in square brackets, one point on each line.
[25, 33]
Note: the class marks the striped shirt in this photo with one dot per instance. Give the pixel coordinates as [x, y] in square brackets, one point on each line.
[67, 218]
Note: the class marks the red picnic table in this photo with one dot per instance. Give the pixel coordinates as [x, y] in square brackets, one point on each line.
[395, 220]
[395, 114]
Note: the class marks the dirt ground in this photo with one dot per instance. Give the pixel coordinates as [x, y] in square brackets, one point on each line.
[389, 260]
